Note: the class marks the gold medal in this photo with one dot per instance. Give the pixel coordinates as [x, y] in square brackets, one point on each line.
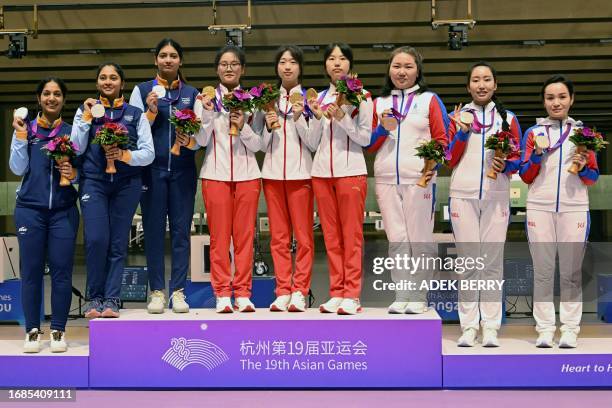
[296, 98]
[311, 93]
[209, 91]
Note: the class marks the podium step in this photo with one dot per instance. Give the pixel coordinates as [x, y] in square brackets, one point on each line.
[518, 363]
[44, 369]
[203, 349]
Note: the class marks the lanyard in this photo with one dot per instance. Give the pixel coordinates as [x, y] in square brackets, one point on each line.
[108, 119]
[477, 126]
[400, 116]
[169, 100]
[564, 136]
[54, 132]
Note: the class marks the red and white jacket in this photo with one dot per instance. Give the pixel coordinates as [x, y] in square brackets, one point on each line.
[288, 153]
[425, 119]
[340, 144]
[471, 161]
[227, 158]
[551, 186]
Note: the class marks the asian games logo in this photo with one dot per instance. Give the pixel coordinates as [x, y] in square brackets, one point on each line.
[185, 352]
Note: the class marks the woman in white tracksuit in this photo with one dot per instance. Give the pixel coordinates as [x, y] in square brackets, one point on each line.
[557, 212]
[406, 115]
[479, 205]
[287, 185]
[231, 184]
[339, 181]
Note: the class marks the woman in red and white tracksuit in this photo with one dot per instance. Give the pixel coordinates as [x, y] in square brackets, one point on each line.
[479, 205]
[409, 116]
[230, 185]
[557, 212]
[339, 180]
[288, 187]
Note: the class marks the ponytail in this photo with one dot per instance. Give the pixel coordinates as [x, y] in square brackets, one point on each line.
[502, 112]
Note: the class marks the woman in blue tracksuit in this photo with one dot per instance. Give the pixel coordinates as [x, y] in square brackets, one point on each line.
[169, 184]
[46, 216]
[109, 201]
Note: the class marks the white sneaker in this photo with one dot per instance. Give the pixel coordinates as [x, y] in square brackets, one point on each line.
[157, 302]
[569, 339]
[468, 338]
[280, 304]
[298, 302]
[244, 305]
[349, 307]
[331, 306]
[397, 308]
[489, 338]
[224, 305]
[179, 305]
[416, 308]
[545, 340]
[58, 341]
[32, 341]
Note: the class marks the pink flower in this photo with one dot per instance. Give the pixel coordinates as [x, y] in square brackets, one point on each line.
[256, 91]
[242, 95]
[354, 84]
[184, 114]
[587, 132]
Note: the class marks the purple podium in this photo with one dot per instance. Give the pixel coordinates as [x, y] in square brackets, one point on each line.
[44, 369]
[202, 349]
[519, 364]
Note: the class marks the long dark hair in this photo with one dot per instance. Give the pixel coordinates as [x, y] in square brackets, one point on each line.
[60, 82]
[557, 78]
[346, 50]
[179, 51]
[418, 59]
[498, 105]
[296, 53]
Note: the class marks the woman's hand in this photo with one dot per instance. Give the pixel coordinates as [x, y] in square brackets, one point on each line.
[114, 153]
[237, 118]
[182, 139]
[66, 170]
[271, 119]
[498, 164]
[335, 111]
[580, 160]
[298, 109]
[151, 100]
[19, 124]
[456, 117]
[315, 107]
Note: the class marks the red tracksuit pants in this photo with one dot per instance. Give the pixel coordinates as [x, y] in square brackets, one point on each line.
[231, 208]
[341, 202]
[290, 208]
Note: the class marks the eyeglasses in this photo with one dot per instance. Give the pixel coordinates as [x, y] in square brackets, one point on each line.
[233, 65]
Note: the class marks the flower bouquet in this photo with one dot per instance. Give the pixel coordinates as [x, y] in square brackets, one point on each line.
[186, 122]
[433, 153]
[503, 145]
[108, 136]
[61, 149]
[586, 139]
[264, 97]
[350, 91]
[237, 100]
